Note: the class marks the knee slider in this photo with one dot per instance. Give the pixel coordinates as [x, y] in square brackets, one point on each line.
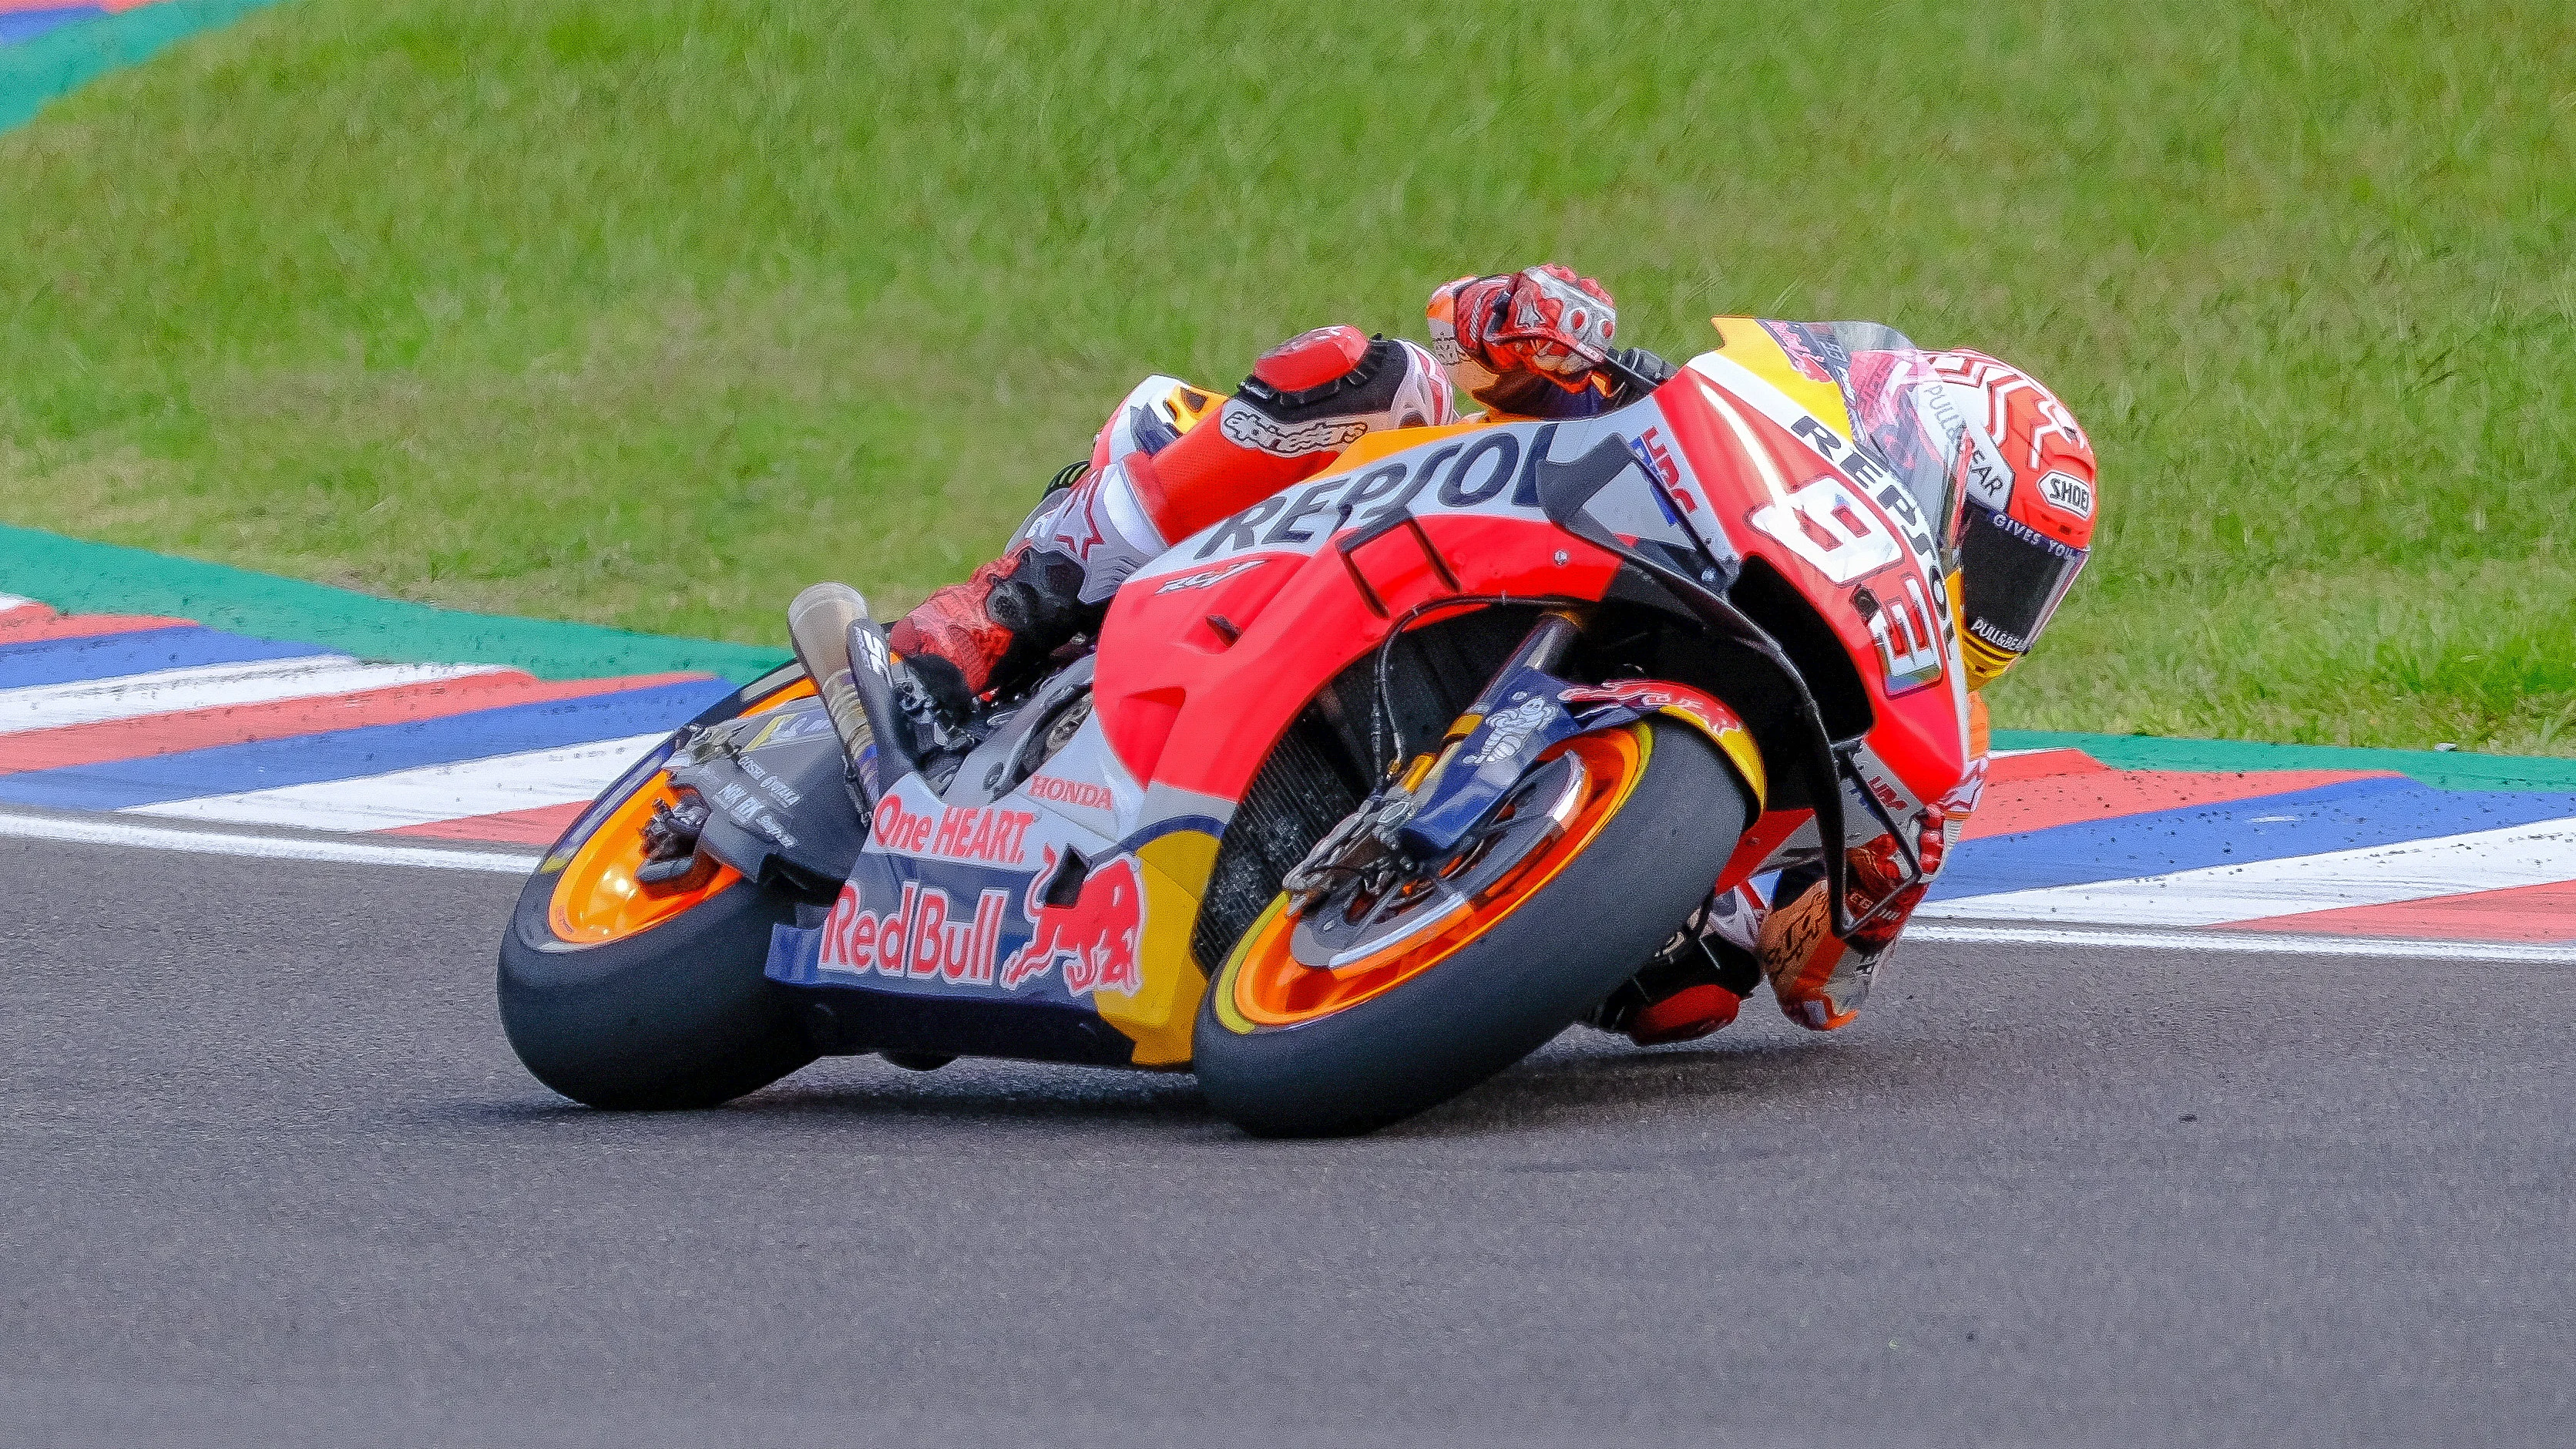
[1335, 372]
[1310, 360]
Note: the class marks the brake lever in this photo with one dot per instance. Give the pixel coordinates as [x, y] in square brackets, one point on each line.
[1632, 378]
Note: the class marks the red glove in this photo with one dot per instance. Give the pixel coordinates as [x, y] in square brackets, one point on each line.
[1543, 320]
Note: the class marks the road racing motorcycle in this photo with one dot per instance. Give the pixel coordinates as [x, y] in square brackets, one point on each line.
[1356, 798]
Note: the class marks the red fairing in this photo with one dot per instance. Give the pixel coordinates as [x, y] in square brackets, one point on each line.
[1791, 491]
[1210, 652]
[1299, 620]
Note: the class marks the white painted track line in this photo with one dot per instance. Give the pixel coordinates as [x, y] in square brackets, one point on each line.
[130, 834]
[127, 832]
[2249, 943]
[525, 781]
[209, 686]
[2542, 853]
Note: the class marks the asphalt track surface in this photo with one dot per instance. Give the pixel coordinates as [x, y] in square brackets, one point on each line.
[269, 1174]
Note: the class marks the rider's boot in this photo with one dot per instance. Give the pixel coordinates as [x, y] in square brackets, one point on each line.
[994, 629]
[1697, 985]
[1819, 979]
[1155, 478]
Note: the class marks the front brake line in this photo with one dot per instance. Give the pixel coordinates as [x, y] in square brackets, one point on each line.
[1382, 703]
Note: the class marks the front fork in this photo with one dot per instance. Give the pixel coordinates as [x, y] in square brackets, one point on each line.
[1437, 799]
[1436, 828]
[1492, 742]
[1428, 804]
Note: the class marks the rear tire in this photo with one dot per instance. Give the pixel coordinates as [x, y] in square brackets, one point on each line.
[1530, 974]
[663, 1009]
[674, 1017]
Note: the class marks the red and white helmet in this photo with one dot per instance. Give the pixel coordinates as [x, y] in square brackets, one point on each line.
[2029, 478]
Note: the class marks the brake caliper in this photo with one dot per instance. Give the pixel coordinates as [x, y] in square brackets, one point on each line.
[672, 860]
[1362, 848]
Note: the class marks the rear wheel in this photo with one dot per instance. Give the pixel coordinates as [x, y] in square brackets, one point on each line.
[1320, 1028]
[621, 995]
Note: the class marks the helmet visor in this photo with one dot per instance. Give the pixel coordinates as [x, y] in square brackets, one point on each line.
[2011, 578]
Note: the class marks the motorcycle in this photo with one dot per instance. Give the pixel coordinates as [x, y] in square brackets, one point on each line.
[1357, 797]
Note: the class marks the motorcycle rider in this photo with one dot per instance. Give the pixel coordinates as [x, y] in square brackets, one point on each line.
[1537, 344]
[2022, 529]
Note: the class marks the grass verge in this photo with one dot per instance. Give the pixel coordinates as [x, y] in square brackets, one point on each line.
[646, 313]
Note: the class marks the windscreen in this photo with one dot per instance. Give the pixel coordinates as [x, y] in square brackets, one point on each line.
[1898, 407]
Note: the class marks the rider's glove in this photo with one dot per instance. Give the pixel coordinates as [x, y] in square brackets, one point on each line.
[1543, 320]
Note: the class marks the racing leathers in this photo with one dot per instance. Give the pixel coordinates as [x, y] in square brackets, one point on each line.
[1529, 344]
[1173, 459]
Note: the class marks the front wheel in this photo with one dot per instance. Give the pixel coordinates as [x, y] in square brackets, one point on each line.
[1285, 1048]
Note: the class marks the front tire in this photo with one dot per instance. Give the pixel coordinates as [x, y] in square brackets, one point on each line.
[1535, 963]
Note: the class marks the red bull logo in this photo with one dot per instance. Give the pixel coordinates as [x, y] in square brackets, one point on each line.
[1093, 939]
[920, 938]
[1644, 694]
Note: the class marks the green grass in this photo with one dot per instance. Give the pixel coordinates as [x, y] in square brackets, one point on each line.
[647, 312]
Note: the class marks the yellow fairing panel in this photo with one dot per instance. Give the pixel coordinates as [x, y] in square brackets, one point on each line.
[1747, 345]
[1161, 1015]
[1184, 406]
[1373, 446]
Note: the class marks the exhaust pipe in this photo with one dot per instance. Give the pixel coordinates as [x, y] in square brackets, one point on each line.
[844, 652]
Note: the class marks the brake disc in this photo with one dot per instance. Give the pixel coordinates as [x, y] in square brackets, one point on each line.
[1355, 923]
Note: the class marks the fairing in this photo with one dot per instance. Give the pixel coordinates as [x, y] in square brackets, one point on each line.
[1075, 890]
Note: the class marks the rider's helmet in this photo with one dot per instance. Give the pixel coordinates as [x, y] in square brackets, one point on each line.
[2028, 524]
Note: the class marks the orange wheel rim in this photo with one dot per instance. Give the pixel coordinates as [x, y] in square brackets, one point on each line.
[597, 899]
[1271, 987]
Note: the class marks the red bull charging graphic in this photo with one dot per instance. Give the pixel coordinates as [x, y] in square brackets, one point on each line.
[1093, 939]
[1078, 931]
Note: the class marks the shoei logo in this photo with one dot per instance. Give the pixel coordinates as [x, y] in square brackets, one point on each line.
[2069, 492]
